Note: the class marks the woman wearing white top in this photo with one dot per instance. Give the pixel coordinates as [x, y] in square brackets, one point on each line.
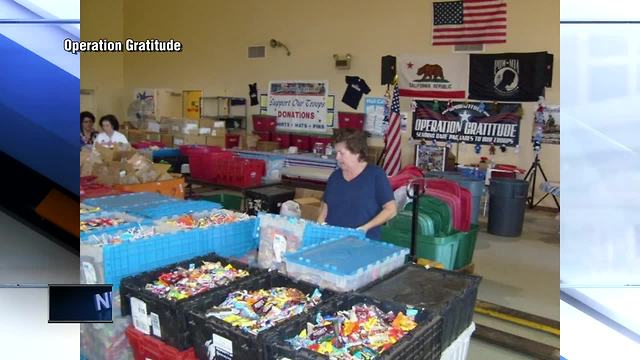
[110, 134]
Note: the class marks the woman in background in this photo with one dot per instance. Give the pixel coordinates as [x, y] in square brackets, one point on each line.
[110, 134]
[87, 131]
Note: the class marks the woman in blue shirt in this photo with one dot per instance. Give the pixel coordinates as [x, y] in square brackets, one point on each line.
[358, 194]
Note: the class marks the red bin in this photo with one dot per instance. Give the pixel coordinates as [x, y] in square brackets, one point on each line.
[351, 120]
[264, 135]
[264, 123]
[283, 138]
[231, 141]
[303, 142]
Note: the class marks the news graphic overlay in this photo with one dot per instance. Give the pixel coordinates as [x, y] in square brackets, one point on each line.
[80, 303]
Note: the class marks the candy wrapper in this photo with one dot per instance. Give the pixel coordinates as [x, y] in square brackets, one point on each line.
[363, 332]
[102, 222]
[278, 235]
[183, 283]
[86, 209]
[255, 311]
[133, 234]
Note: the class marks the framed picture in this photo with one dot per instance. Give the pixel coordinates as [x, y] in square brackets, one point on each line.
[431, 157]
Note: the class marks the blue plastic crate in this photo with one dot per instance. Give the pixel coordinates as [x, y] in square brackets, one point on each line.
[345, 264]
[121, 202]
[166, 152]
[235, 239]
[169, 209]
[315, 233]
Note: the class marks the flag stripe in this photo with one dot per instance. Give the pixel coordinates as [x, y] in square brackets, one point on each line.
[485, 21]
[471, 35]
[468, 14]
[393, 149]
[471, 28]
[482, 7]
[471, 42]
[432, 93]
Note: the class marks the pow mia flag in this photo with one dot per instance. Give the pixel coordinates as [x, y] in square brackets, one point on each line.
[509, 76]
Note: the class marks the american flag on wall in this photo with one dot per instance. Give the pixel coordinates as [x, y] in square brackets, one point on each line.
[469, 22]
[392, 159]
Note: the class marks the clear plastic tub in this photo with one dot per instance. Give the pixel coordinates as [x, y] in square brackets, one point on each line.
[345, 264]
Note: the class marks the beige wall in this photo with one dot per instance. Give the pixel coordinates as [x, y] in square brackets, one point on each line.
[215, 36]
[103, 72]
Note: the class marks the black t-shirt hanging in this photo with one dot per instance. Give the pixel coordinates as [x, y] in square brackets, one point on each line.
[253, 94]
[355, 88]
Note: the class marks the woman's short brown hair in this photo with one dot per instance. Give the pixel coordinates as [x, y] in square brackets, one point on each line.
[355, 141]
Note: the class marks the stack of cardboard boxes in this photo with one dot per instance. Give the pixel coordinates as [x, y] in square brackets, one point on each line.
[309, 201]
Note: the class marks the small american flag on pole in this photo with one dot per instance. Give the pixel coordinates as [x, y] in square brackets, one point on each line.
[392, 162]
[469, 22]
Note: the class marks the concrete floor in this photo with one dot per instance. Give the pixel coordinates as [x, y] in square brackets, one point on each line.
[521, 273]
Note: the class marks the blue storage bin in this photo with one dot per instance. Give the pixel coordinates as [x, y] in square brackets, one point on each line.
[235, 239]
[345, 264]
[315, 233]
[166, 152]
[121, 202]
[173, 208]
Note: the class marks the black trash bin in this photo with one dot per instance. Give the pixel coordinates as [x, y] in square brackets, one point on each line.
[267, 199]
[507, 202]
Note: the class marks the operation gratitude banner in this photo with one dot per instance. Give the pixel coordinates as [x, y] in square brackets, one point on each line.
[299, 105]
[473, 122]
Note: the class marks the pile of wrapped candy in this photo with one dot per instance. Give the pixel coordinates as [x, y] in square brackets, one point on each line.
[203, 221]
[183, 283]
[363, 332]
[255, 311]
[101, 222]
[86, 209]
[132, 234]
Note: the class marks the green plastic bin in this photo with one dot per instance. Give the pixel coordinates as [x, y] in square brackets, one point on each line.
[441, 249]
[228, 201]
[438, 211]
[402, 222]
[466, 247]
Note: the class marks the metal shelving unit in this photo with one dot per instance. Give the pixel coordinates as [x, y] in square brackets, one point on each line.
[225, 111]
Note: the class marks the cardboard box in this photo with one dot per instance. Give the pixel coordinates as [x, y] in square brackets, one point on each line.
[308, 193]
[115, 154]
[167, 140]
[267, 146]
[153, 137]
[190, 127]
[178, 140]
[135, 136]
[309, 208]
[195, 140]
[216, 141]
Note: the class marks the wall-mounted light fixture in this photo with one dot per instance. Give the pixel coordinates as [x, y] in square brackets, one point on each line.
[275, 43]
[342, 61]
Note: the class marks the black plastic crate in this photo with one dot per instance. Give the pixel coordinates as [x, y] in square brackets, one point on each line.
[267, 199]
[175, 162]
[421, 343]
[450, 294]
[171, 316]
[243, 345]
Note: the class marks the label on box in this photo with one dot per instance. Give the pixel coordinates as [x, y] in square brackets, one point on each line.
[90, 276]
[219, 124]
[175, 128]
[279, 246]
[213, 132]
[139, 315]
[155, 325]
[205, 131]
[178, 142]
[220, 348]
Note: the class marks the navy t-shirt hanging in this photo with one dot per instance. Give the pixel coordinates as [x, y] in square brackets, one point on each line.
[253, 94]
[509, 76]
[355, 88]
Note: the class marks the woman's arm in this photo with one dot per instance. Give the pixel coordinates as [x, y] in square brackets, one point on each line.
[323, 212]
[389, 210]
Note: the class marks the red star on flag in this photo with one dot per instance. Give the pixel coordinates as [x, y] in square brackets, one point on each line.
[410, 65]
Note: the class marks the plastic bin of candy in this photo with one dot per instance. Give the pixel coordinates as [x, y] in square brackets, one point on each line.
[165, 295]
[345, 264]
[123, 201]
[315, 233]
[147, 347]
[106, 341]
[419, 338]
[97, 223]
[227, 233]
[449, 294]
[213, 335]
[173, 208]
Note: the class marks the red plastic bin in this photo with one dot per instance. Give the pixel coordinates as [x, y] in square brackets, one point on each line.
[454, 204]
[263, 135]
[147, 144]
[264, 123]
[146, 347]
[303, 142]
[204, 166]
[322, 140]
[187, 150]
[231, 141]
[449, 186]
[248, 172]
[283, 138]
[350, 120]
[466, 200]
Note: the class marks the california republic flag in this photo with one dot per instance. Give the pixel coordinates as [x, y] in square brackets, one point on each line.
[433, 76]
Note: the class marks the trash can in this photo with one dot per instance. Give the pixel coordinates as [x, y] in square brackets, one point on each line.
[267, 199]
[507, 201]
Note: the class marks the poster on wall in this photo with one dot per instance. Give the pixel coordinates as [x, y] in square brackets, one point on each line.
[548, 124]
[375, 111]
[430, 157]
[299, 105]
[191, 104]
[148, 97]
[471, 122]
[509, 76]
[433, 76]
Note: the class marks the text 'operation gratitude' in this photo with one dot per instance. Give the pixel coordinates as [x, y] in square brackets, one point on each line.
[129, 45]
